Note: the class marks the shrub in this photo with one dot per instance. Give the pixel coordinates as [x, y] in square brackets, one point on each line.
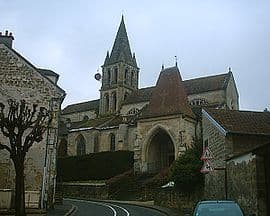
[158, 180]
[185, 171]
[95, 166]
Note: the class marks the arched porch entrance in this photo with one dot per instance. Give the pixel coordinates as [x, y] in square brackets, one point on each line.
[161, 151]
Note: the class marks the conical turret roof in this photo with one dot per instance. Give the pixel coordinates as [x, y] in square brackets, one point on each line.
[121, 49]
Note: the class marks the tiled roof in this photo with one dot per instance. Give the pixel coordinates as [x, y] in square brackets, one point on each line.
[140, 95]
[81, 107]
[169, 96]
[97, 122]
[242, 122]
[205, 84]
[193, 86]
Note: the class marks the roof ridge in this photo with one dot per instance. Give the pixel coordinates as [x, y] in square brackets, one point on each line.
[205, 77]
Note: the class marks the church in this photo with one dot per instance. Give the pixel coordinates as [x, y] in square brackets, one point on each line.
[158, 123]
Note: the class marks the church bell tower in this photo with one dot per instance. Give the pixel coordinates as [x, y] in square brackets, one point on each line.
[120, 74]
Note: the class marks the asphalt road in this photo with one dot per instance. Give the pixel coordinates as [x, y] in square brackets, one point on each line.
[90, 208]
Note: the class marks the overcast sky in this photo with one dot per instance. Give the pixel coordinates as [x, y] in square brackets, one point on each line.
[208, 36]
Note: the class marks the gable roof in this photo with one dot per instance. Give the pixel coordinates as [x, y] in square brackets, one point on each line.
[81, 107]
[38, 70]
[242, 122]
[169, 96]
[192, 86]
[205, 84]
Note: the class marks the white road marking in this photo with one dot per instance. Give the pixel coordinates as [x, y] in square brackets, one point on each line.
[104, 204]
[126, 211]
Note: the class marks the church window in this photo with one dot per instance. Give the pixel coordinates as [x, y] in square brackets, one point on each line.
[80, 145]
[115, 77]
[96, 143]
[114, 101]
[132, 79]
[106, 102]
[126, 75]
[85, 118]
[112, 142]
[109, 76]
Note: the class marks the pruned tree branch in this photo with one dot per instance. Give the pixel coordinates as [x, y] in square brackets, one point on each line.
[5, 147]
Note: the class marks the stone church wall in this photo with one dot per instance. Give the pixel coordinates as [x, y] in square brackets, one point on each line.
[232, 98]
[212, 97]
[79, 116]
[180, 130]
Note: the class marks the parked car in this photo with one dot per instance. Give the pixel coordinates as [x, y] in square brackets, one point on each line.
[217, 208]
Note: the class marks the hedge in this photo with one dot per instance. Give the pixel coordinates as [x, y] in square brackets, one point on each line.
[95, 166]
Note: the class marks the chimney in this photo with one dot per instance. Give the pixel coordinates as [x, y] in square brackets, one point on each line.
[6, 39]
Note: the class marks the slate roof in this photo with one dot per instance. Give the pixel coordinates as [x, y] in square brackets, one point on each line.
[242, 122]
[169, 96]
[81, 107]
[121, 49]
[193, 86]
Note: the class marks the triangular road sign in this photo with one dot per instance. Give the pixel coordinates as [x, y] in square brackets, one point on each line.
[207, 167]
[207, 154]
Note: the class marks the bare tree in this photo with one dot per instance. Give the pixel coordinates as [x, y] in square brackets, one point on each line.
[23, 126]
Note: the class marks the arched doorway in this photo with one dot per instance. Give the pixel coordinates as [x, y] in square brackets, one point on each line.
[161, 152]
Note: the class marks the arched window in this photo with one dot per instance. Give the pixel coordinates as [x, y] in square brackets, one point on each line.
[62, 149]
[109, 76]
[80, 143]
[96, 143]
[115, 78]
[106, 103]
[132, 79]
[114, 101]
[126, 76]
[112, 142]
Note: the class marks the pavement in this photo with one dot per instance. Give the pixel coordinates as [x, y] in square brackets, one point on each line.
[66, 209]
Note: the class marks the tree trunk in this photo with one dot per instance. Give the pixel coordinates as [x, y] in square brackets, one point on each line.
[19, 188]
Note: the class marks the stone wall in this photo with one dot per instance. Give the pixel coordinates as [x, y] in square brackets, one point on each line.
[20, 80]
[85, 190]
[171, 198]
[215, 180]
[242, 182]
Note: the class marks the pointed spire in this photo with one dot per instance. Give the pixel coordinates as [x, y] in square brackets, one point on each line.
[121, 46]
[107, 59]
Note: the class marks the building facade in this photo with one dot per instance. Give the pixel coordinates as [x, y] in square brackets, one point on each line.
[158, 123]
[239, 142]
[21, 80]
